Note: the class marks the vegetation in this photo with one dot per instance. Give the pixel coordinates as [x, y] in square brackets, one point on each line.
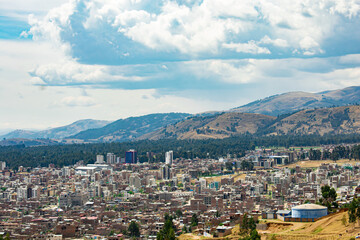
[328, 197]
[134, 230]
[354, 210]
[62, 155]
[194, 220]
[168, 231]
[248, 228]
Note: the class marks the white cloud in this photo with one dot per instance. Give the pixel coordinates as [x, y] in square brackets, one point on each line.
[196, 29]
[70, 72]
[78, 101]
[249, 47]
[276, 42]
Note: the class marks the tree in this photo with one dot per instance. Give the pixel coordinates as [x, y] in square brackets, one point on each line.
[328, 196]
[134, 230]
[168, 231]
[194, 220]
[229, 166]
[178, 213]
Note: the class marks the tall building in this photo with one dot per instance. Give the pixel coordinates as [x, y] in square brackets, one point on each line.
[169, 157]
[99, 159]
[2, 165]
[135, 180]
[165, 172]
[110, 158]
[131, 156]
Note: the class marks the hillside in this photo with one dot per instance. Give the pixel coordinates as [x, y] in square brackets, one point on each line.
[27, 142]
[338, 120]
[217, 126]
[59, 132]
[295, 101]
[130, 128]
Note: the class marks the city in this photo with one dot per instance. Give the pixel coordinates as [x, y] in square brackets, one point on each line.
[101, 200]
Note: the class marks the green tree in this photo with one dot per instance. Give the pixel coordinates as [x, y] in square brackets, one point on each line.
[134, 230]
[328, 196]
[194, 220]
[178, 213]
[168, 231]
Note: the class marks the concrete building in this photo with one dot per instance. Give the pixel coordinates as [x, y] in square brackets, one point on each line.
[99, 159]
[169, 157]
[110, 158]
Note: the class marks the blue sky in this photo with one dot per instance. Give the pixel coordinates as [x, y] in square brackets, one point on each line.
[65, 60]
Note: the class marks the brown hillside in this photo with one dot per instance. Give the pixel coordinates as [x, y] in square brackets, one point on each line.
[339, 120]
[217, 127]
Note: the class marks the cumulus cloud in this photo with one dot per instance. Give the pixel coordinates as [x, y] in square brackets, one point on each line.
[249, 47]
[73, 73]
[78, 101]
[128, 30]
[174, 46]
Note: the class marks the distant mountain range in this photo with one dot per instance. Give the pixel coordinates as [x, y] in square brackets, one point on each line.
[288, 113]
[295, 101]
[59, 132]
[130, 128]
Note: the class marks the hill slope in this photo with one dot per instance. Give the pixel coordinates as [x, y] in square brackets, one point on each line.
[58, 133]
[338, 120]
[131, 128]
[295, 101]
[216, 126]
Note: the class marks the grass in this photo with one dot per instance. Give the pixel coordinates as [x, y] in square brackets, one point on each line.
[317, 230]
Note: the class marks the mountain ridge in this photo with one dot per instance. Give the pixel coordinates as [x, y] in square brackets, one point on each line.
[130, 128]
[336, 120]
[58, 132]
[298, 100]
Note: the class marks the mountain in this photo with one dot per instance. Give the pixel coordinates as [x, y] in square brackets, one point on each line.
[337, 120]
[130, 128]
[216, 126]
[295, 101]
[28, 142]
[59, 132]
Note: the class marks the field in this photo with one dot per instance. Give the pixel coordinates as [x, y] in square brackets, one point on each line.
[237, 176]
[314, 164]
[328, 228]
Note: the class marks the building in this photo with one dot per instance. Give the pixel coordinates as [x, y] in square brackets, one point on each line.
[2, 165]
[110, 158]
[131, 157]
[312, 211]
[169, 157]
[135, 180]
[99, 159]
[165, 172]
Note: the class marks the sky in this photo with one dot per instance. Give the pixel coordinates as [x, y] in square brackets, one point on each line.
[66, 60]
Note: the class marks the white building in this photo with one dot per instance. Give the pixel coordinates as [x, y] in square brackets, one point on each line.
[169, 157]
[99, 159]
[111, 158]
[135, 180]
[2, 165]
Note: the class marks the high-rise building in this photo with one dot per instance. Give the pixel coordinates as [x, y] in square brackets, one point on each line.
[169, 157]
[165, 172]
[110, 158]
[131, 156]
[2, 165]
[99, 159]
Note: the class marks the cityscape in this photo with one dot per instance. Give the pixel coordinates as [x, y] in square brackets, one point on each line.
[179, 119]
[203, 197]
